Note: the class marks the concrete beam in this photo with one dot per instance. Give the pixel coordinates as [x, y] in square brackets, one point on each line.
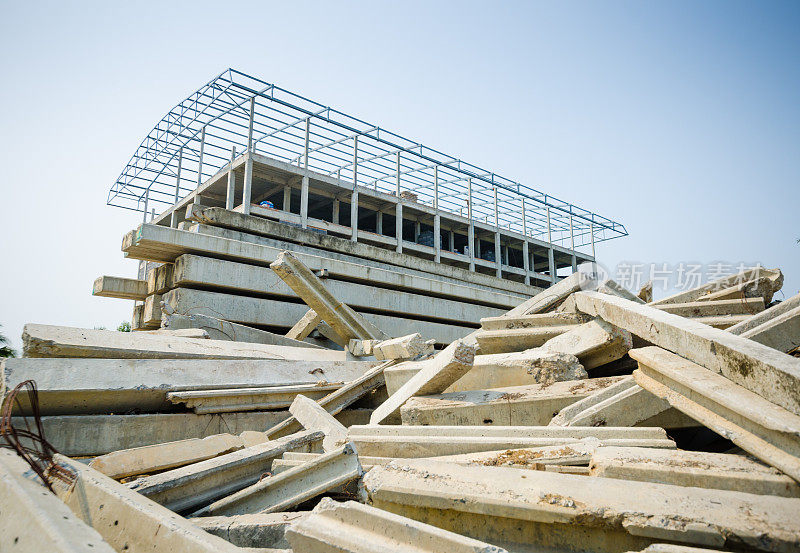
[36, 520]
[259, 530]
[93, 435]
[432, 441]
[761, 428]
[781, 333]
[535, 510]
[291, 487]
[250, 399]
[531, 405]
[128, 521]
[761, 287]
[594, 343]
[61, 341]
[312, 416]
[529, 367]
[333, 403]
[405, 347]
[118, 287]
[187, 488]
[219, 329]
[518, 339]
[612, 288]
[433, 376]
[745, 306]
[697, 469]
[345, 322]
[774, 275]
[767, 315]
[505, 322]
[760, 369]
[304, 326]
[75, 386]
[351, 527]
[533, 458]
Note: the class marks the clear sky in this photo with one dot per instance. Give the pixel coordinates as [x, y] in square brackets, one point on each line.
[679, 119]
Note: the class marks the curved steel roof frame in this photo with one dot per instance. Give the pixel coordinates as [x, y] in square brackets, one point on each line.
[194, 141]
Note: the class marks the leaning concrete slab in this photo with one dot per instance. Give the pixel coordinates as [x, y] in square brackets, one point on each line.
[118, 287]
[199, 484]
[128, 521]
[518, 339]
[761, 287]
[313, 416]
[759, 427]
[304, 326]
[781, 333]
[699, 469]
[432, 441]
[219, 329]
[345, 322]
[767, 315]
[759, 368]
[259, 530]
[744, 306]
[550, 298]
[36, 520]
[774, 275]
[61, 341]
[85, 386]
[533, 366]
[537, 320]
[291, 487]
[531, 405]
[155, 458]
[345, 396]
[351, 527]
[594, 343]
[538, 509]
[433, 376]
[250, 399]
[612, 288]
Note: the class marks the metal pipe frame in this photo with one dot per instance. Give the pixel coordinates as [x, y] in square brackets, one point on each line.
[211, 121]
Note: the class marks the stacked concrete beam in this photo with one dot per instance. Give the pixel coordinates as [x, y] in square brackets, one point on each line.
[118, 287]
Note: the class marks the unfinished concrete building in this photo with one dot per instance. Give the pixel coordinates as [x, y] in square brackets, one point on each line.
[396, 222]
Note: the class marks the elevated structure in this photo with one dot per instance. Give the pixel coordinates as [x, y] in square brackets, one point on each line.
[250, 146]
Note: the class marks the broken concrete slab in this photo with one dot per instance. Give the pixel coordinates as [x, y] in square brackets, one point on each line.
[699, 469]
[250, 399]
[758, 368]
[128, 521]
[594, 343]
[433, 376]
[199, 484]
[61, 341]
[781, 333]
[530, 405]
[758, 426]
[518, 339]
[292, 487]
[179, 333]
[361, 348]
[612, 288]
[744, 306]
[219, 329]
[433, 441]
[351, 527]
[533, 458]
[345, 322]
[405, 347]
[258, 530]
[313, 416]
[304, 326]
[623, 404]
[550, 298]
[761, 287]
[36, 520]
[533, 366]
[334, 402]
[767, 315]
[774, 275]
[118, 287]
[158, 457]
[537, 320]
[538, 509]
[77, 386]
[646, 292]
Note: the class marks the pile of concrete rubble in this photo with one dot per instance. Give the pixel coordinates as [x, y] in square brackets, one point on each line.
[586, 419]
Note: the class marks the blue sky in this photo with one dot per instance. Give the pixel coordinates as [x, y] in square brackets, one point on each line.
[679, 119]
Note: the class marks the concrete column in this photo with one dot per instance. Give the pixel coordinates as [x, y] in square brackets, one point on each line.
[526, 260]
[354, 196]
[416, 231]
[335, 216]
[146, 201]
[552, 265]
[571, 232]
[229, 196]
[574, 264]
[471, 230]
[398, 227]
[305, 148]
[437, 237]
[287, 198]
[379, 222]
[202, 151]
[247, 193]
[549, 234]
[173, 218]
[304, 203]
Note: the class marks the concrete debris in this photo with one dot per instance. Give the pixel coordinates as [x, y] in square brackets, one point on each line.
[281, 361]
